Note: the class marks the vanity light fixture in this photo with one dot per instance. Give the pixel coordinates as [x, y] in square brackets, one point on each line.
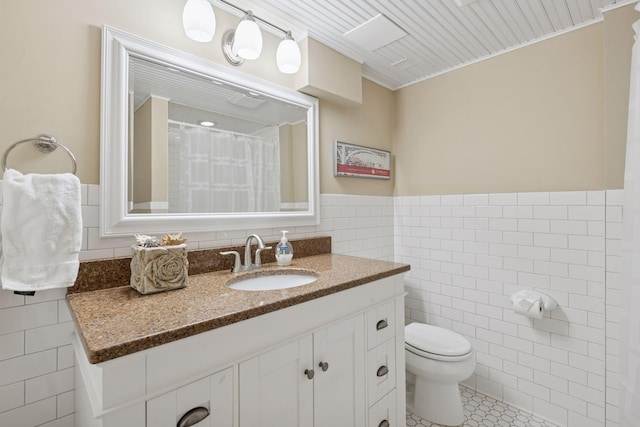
[206, 123]
[288, 55]
[245, 42]
[199, 20]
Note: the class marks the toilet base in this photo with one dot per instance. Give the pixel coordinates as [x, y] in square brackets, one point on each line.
[436, 402]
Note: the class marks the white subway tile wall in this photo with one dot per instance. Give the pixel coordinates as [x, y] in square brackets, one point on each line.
[36, 358]
[469, 253]
[611, 319]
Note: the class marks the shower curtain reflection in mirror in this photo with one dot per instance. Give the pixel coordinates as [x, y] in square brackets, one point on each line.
[216, 171]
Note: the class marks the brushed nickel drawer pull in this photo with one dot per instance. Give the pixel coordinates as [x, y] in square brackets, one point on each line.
[324, 366]
[193, 417]
[382, 371]
[309, 373]
[381, 324]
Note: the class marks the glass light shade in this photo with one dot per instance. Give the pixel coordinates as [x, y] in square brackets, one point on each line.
[198, 20]
[288, 55]
[247, 42]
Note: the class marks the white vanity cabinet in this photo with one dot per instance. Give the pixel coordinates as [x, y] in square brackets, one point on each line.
[317, 380]
[252, 372]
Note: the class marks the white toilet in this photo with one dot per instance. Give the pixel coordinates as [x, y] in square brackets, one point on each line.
[437, 359]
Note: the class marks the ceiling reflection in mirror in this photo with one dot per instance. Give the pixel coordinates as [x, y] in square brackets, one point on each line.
[201, 145]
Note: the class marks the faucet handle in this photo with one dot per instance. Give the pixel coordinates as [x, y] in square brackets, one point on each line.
[258, 260]
[237, 266]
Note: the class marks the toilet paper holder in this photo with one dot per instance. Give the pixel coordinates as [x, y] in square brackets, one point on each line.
[547, 303]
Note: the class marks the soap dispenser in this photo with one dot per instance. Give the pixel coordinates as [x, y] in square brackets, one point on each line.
[284, 251]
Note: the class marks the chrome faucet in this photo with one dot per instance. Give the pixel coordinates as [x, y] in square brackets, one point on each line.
[248, 265]
[247, 252]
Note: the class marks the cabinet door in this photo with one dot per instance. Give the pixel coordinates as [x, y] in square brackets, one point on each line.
[214, 392]
[274, 390]
[339, 391]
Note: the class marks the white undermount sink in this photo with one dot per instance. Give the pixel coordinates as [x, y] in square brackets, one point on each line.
[269, 280]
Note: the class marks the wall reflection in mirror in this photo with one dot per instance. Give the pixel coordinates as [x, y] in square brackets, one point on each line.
[200, 145]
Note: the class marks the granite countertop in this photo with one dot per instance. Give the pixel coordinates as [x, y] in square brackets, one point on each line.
[118, 321]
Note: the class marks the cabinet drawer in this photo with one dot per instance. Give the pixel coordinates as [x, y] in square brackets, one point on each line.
[380, 324]
[381, 370]
[384, 413]
[215, 393]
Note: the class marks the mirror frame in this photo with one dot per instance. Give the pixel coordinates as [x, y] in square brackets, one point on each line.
[115, 219]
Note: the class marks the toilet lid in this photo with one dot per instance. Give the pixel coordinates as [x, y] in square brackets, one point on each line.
[436, 340]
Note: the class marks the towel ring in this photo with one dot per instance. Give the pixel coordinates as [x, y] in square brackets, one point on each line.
[44, 144]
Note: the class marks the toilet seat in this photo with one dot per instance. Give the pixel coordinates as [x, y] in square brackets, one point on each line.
[436, 343]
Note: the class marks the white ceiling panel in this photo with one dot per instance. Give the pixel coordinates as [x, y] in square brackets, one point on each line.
[441, 35]
[375, 33]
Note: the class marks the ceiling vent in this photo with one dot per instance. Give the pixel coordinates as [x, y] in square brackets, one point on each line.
[242, 100]
[377, 32]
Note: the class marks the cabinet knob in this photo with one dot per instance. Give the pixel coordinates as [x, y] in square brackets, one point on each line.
[384, 423]
[324, 366]
[382, 371]
[309, 373]
[381, 324]
[193, 417]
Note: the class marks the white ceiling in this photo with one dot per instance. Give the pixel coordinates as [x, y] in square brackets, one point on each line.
[441, 35]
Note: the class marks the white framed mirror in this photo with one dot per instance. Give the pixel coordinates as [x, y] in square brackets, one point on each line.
[165, 169]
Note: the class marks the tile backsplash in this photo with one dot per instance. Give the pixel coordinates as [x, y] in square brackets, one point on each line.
[469, 253]
[36, 358]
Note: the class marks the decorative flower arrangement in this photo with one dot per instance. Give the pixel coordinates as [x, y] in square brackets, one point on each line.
[153, 242]
[159, 265]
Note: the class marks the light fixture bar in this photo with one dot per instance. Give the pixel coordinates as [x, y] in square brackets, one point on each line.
[257, 18]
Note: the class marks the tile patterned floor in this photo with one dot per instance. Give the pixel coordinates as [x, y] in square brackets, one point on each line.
[485, 411]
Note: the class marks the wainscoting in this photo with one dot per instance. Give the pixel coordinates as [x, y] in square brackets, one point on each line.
[469, 253]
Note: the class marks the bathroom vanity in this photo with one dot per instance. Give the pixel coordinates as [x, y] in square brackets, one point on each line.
[330, 353]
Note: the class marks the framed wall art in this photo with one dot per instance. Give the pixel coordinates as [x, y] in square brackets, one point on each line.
[361, 162]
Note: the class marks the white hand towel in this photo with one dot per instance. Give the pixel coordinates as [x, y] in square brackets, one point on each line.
[41, 227]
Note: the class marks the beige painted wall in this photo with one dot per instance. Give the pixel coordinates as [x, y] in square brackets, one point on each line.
[370, 124]
[618, 41]
[150, 154]
[551, 116]
[286, 169]
[52, 80]
[293, 163]
[327, 74]
[160, 151]
[51, 67]
[527, 120]
[142, 153]
[541, 117]
[300, 156]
